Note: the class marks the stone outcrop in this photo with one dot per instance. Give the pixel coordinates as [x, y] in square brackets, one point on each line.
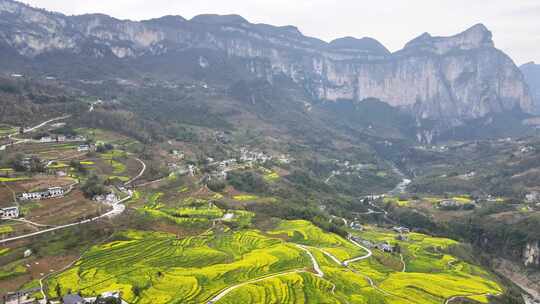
[449, 78]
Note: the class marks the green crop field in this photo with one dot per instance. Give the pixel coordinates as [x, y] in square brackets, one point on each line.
[431, 273]
[12, 179]
[6, 130]
[249, 266]
[195, 213]
[158, 268]
[5, 229]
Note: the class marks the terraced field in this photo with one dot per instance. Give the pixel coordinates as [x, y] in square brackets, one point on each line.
[427, 273]
[158, 268]
[250, 266]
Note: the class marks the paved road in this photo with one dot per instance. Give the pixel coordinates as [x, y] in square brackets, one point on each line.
[403, 262]
[138, 175]
[465, 296]
[316, 267]
[229, 289]
[20, 141]
[22, 220]
[369, 252]
[45, 123]
[118, 208]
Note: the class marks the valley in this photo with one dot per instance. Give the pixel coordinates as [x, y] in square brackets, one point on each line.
[214, 160]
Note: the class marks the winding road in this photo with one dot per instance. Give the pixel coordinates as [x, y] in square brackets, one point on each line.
[318, 272]
[138, 175]
[118, 208]
[369, 252]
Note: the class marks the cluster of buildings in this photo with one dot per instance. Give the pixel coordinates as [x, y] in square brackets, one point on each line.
[449, 203]
[104, 298]
[532, 197]
[52, 192]
[248, 156]
[109, 199]
[190, 169]
[61, 138]
[21, 297]
[221, 168]
[384, 246]
[526, 149]
[433, 148]
[347, 168]
[25, 297]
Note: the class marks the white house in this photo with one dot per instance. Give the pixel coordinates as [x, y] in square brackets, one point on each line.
[27, 253]
[56, 191]
[83, 148]
[49, 193]
[9, 212]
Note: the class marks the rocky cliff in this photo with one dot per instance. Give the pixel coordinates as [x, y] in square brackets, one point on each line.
[531, 71]
[451, 78]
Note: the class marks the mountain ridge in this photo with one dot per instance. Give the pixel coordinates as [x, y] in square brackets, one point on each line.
[443, 78]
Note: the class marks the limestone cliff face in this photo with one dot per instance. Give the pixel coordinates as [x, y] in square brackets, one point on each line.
[532, 77]
[452, 78]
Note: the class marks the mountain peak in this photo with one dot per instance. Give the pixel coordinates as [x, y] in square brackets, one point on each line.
[365, 44]
[170, 20]
[475, 37]
[219, 19]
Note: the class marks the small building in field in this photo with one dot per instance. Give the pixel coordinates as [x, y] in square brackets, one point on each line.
[401, 230]
[83, 148]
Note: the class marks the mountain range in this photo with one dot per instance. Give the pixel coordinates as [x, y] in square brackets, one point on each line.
[450, 80]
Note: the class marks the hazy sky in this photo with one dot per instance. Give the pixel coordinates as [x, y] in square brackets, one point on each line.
[514, 23]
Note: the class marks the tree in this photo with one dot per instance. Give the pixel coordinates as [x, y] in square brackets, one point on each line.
[77, 166]
[36, 165]
[216, 185]
[93, 186]
[58, 290]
